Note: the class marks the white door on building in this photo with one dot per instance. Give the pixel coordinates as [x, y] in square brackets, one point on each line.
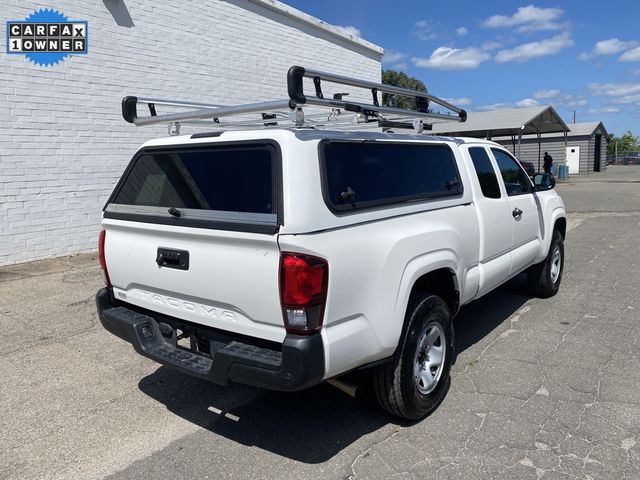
[573, 159]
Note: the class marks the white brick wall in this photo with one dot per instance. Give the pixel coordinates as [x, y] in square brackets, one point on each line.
[63, 142]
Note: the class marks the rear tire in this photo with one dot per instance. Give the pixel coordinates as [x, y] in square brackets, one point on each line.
[544, 278]
[414, 383]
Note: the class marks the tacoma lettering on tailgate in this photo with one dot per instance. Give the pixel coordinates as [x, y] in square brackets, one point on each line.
[191, 307]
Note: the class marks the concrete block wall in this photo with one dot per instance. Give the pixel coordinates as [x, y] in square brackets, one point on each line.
[63, 142]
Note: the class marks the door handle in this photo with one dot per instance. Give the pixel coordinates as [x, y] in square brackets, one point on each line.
[178, 259]
[517, 213]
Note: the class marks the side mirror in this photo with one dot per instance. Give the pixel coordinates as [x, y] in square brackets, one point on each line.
[543, 181]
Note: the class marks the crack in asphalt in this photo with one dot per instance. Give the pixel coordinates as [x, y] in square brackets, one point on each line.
[365, 453]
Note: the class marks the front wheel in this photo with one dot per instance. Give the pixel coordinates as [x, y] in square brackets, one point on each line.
[415, 382]
[544, 278]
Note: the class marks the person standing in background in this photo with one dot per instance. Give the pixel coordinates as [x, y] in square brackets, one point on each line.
[548, 161]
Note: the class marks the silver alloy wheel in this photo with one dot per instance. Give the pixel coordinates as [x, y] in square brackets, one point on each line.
[429, 358]
[556, 259]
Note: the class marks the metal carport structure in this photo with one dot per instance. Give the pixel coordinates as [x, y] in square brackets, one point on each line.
[512, 122]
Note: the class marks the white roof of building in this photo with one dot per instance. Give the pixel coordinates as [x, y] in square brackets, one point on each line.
[283, 9]
[584, 128]
[507, 122]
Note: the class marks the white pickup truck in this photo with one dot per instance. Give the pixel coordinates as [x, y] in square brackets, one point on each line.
[282, 257]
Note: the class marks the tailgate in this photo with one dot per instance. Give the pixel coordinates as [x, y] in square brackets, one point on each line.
[231, 281]
[191, 232]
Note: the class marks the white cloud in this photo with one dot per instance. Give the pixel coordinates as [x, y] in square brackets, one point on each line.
[555, 97]
[394, 60]
[446, 58]
[572, 102]
[612, 46]
[491, 45]
[545, 94]
[493, 106]
[462, 31]
[391, 56]
[606, 109]
[527, 51]
[608, 47]
[425, 30]
[625, 100]
[528, 19]
[350, 30]
[496, 106]
[631, 55]
[550, 96]
[527, 102]
[559, 98]
[401, 66]
[524, 103]
[614, 89]
[616, 93]
[459, 102]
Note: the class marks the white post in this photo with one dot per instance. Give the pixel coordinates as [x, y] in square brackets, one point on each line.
[539, 149]
[520, 140]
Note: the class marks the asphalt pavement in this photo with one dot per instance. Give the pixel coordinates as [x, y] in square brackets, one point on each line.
[542, 389]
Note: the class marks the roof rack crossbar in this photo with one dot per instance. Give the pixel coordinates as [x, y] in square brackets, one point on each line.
[295, 86]
[290, 110]
[203, 113]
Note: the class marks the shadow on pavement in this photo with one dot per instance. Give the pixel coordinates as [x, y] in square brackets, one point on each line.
[479, 318]
[313, 425]
[309, 426]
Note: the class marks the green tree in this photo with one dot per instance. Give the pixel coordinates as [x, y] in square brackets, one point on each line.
[402, 80]
[611, 149]
[626, 143]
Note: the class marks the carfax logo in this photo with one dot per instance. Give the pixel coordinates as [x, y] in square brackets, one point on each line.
[46, 37]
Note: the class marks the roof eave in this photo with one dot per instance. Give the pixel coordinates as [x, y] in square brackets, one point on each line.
[296, 14]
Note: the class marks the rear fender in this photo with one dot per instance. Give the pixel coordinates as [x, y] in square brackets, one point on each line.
[416, 268]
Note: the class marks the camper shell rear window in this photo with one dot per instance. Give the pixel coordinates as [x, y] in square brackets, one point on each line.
[232, 186]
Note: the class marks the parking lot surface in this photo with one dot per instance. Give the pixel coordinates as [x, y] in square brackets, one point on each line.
[542, 389]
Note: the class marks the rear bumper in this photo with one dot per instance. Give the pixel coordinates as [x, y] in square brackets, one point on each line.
[299, 365]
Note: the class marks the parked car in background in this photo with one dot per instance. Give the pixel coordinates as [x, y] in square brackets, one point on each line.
[529, 167]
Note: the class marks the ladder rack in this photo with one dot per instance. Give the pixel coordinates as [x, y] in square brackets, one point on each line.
[341, 113]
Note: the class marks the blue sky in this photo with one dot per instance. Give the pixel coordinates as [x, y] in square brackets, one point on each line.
[574, 55]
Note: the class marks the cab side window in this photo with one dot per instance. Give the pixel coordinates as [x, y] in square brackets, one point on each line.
[515, 179]
[485, 172]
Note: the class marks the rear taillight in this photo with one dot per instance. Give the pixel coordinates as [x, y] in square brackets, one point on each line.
[103, 262]
[303, 291]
